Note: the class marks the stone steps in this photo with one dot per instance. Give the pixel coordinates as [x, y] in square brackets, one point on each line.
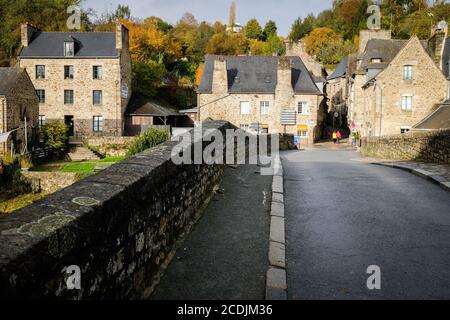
[82, 154]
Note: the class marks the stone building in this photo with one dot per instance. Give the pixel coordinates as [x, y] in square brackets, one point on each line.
[397, 83]
[81, 78]
[19, 107]
[262, 95]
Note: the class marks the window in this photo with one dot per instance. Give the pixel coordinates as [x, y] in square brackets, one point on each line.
[97, 72]
[406, 102]
[303, 133]
[41, 121]
[69, 72]
[407, 72]
[41, 95]
[244, 127]
[302, 107]
[68, 96]
[245, 107]
[98, 124]
[376, 60]
[404, 129]
[97, 97]
[40, 72]
[69, 49]
[264, 107]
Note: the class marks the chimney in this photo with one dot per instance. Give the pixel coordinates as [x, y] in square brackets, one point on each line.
[122, 37]
[437, 42]
[284, 89]
[366, 35]
[27, 31]
[220, 76]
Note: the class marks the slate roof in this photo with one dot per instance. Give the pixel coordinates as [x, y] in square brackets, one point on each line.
[383, 49]
[257, 74]
[446, 58]
[439, 119]
[140, 105]
[8, 78]
[88, 44]
[340, 70]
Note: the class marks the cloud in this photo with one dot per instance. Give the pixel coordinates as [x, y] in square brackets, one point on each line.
[283, 12]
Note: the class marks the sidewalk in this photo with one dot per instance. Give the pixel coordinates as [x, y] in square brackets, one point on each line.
[225, 255]
[437, 173]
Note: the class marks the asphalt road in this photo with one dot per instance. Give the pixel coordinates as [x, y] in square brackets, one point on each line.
[225, 255]
[343, 216]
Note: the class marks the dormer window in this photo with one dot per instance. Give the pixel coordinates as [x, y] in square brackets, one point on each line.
[376, 60]
[69, 48]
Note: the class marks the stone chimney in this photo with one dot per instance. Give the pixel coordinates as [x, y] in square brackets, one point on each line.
[436, 42]
[220, 76]
[27, 31]
[366, 35]
[122, 37]
[284, 75]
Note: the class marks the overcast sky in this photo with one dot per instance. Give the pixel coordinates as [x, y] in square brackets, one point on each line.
[283, 12]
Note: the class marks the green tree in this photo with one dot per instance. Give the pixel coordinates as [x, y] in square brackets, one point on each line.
[149, 139]
[199, 41]
[270, 29]
[56, 138]
[227, 44]
[147, 77]
[274, 45]
[253, 29]
[47, 15]
[301, 28]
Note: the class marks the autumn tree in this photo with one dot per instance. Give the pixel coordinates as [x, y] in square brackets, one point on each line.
[47, 15]
[253, 29]
[318, 38]
[232, 18]
[227, 44]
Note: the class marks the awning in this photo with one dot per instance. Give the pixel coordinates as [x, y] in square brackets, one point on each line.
[302, 127]
[4, 136]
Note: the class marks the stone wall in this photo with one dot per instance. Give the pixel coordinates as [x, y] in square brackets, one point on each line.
[433, 146]
[119, 226]
[49, 182]
[111, 146]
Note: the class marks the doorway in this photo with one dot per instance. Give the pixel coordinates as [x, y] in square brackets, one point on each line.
[68, 120]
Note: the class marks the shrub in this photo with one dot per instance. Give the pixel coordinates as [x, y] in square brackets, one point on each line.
[149, 139]
[56, 138]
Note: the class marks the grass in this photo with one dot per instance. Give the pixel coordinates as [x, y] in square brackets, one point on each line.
[10, 205]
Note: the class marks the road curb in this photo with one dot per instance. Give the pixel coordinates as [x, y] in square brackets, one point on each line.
[276, 283]
[434, 178]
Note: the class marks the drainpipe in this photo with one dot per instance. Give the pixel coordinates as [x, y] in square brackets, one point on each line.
[381, 106]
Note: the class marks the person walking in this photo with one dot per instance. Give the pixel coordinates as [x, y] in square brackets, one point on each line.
[338, 136]
[334, 136]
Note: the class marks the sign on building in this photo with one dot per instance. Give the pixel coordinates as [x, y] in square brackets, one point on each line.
[124, 91]
[288, 117]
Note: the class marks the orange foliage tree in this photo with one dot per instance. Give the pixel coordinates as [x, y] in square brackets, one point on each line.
[318, 38]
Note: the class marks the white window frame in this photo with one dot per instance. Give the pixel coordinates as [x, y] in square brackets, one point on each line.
[73, 97]
[404, 103]
[97, 72]
[71, 72]
[264, 107]
[101, 98]
[303, 134]
[405, 129]
[97, 124]
[41, 95]
[41, 120]
[69, 49]
[42, 77]
[247, 106]
[407, 72]
[304, 108]
[245, 127]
